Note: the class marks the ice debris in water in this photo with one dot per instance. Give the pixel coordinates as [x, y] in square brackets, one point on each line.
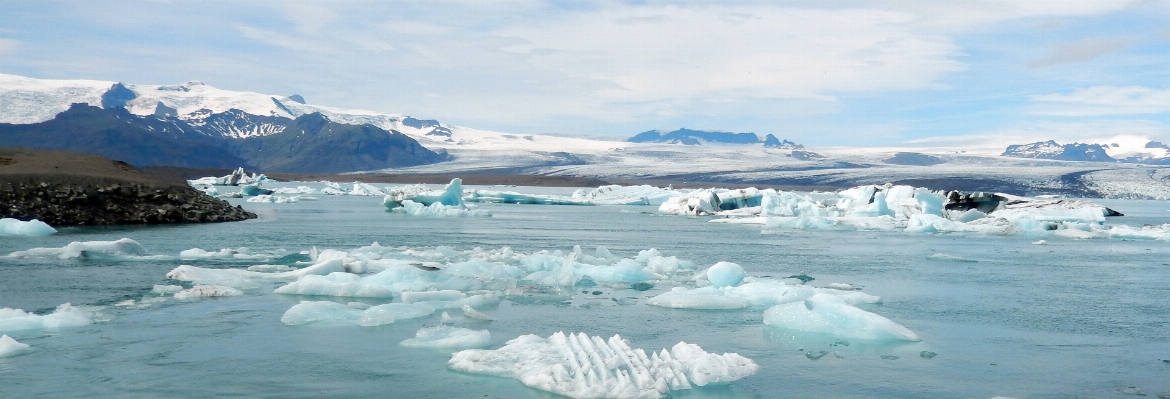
[436, 209]
[338, 284]
[64, 316]
[1040, 242]
[448, 337]
[950, 258]
[246, 279]
[725, 274]
[581, 366]
[470, 312]
[207, 291]
[31, 228]
[121, 248]
[166, 289]
[754, 292]
[228, 253]
[452, 195]
[9, 346]
[626, 195]
[324, 311]
[826, 314]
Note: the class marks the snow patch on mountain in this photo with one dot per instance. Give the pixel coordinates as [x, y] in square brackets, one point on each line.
[27, 100]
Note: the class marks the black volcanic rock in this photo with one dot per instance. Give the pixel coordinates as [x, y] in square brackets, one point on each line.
[117, 96]
[297, 98]
[806, 155]
[309, 144]
[913, 159]
[1052, 150]
[693, 137]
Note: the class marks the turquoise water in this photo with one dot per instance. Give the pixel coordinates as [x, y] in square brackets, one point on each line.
[1070, 319]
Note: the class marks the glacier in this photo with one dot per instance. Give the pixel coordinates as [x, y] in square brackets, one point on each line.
[582, 366]
[31, 228]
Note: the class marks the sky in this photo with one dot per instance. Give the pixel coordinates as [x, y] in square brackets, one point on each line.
[827, 73]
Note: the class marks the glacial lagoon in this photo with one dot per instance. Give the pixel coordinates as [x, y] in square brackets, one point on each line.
[995, 315]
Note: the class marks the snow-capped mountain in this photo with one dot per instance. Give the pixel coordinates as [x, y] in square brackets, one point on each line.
[207, 124]
[686, 136]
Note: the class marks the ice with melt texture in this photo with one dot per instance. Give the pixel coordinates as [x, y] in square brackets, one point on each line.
[581, 366]
[452, 195]
[437, 209]
[247, 279]
[9, 346]
[64, 316]
[512, 197]
[448, 337]
[825, 314]
[626, 195]
[308, 312]
[122, 248]
[31, 228]
[207, 291]
[753, 292]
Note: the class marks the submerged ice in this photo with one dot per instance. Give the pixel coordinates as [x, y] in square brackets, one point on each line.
[582, 366]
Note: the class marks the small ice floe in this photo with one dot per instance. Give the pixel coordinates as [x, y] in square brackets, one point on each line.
[124, 248]
[31, 228]
[1040, 242]
[9, 346]
[824, 314]
[448, 337]
[950, 258]
[207, 291]
[308, 312]
[581, 366]
[469, 312]
[725, 274]
[64, 316]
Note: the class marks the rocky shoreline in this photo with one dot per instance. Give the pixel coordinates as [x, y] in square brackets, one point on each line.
[60, 202]
[70, 189]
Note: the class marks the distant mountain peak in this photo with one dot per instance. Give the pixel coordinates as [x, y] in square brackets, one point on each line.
[686, 136]
[1052, 150]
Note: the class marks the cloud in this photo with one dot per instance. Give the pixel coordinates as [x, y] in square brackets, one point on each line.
[1089, 131]
[8, 45]
[279, 39]
[1077, 52]
[1104, 100]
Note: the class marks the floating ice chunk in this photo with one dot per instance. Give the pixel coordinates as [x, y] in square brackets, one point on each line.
[445, 318]
[448, 337]
[581, 366]
[1040, 242]
[725, 274]
[701, 202]
[64, 316]
[270, 268]
[840, 286]
[225, 253]
[683, 298]
[121, 248]
[166, 289]
[932, 203]
[9, 346]
[31, 228]
[294, 190]
[827, 315]
[207, 291]
[752, 293]
[339, 284]
[969, 216]
[391, 312]
[452, 195]
[245, 279]
[511, 197]
[438, 209]
[319, 311]
[626, 195]
[363, 189]
[468, 311]
[950, 258]
[279, 199]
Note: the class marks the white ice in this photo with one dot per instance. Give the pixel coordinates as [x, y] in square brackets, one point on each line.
[308, 312]
[754, 292]
[207, 291]
[9, 346]
[512, 197]
[448, 337]
[580, 366]
[227, 253]
[122, 248]
[339, 284]
[438, 209]
[246, 279]
[825, 314]
[31, 228]
[725, 274]
[452, 195]
[626, 195]
[64, 316]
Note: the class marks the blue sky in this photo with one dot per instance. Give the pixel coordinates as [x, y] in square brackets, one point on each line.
[821, 73]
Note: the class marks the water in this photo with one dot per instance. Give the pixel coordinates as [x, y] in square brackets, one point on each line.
[1070, 319]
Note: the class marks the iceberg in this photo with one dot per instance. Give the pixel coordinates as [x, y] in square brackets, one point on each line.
[338, 284]
[511, 197]
[207, 291]
[581, 366]
[825, 314]
[363, 189]
[31, 228]
[9, 346]
[64, 316]
[696, 203]
[308, 312]
[236, 178]
[754, 292]
[246, 279]
[121, 248]
[625, 195]
[438, 209]
[725, 274]
[452, 195]
[448, 337]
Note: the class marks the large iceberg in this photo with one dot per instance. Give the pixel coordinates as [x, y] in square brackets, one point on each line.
[332, 312]
[512, 197]
[581, 366]
[32, 228]
[419, 201]
[236, 178]
[121, 248]
[626, 195]
[64, 316]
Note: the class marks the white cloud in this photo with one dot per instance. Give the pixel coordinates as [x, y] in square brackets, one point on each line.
[279, 39]
[1104, 100]
[8, 45]
[1081, 51]
[1090, 131]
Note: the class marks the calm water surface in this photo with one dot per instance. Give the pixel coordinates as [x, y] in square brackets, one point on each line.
[1073, 319]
